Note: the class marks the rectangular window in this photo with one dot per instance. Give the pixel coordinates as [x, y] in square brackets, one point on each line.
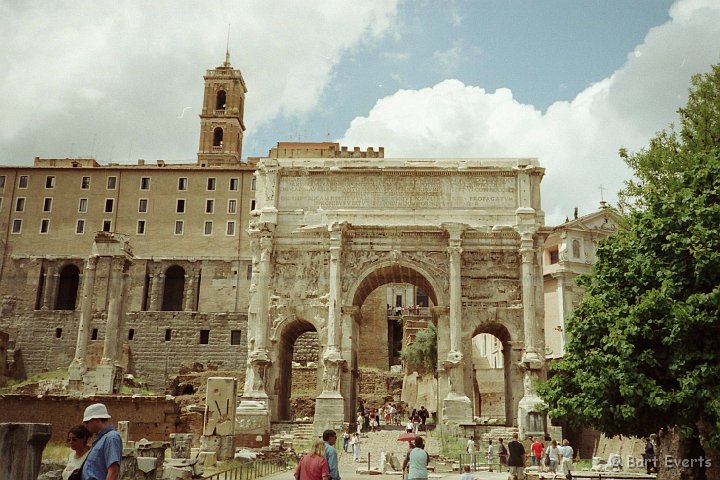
[208, 228]
[141, 227]
[235, 336]
[112, 183]
[85, 183]
[143, 205]
[253, 184]
[252, 205]
[180, 206]
[50, 181]
[107, 226]
[168, 334]
[230, 228]
[211, 183]
[145, 183]
[23, 181]
[109, 202]
[2, 181]
[131, 334]
[58, 333]
[554, 256]
[20, 204]
[248, 272]
[17, 226]
[1, 202]
[47, 204]
[179, 224]
[44, 225]
[94, 334]
[234, 182]
[232, 205]
[82, 207]
[182, 183]
[204, 337]
[80, 227]
[209, 205]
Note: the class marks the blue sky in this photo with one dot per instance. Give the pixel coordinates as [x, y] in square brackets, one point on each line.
[569, 82]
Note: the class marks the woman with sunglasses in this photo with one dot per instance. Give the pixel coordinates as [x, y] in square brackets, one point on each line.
[77, 439]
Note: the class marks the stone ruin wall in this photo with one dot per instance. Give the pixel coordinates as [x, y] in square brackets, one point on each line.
[148, 355]
[46, 339]
[306, 349]
[153, 418]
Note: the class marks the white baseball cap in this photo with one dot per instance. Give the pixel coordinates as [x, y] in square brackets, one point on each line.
[96, 410]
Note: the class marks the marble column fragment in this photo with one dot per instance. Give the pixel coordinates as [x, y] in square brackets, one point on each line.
[21, 448]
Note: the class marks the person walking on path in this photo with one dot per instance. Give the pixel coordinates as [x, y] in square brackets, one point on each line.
[516, 460]
[416, 461]
[103, 460]
[330, 437]
[360, 420]
[355, 444]
[566, 463]
[502, 455]
[490, 455]
[77, 439]
[313, 466]
[552, 452]
[536, 450]
[346, 440]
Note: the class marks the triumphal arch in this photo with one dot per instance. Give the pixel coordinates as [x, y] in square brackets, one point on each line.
[331, 225]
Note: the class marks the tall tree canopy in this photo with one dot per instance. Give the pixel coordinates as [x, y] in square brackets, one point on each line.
[644, 343]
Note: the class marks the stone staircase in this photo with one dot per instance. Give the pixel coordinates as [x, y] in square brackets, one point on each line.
[493, 434]
[296, 435]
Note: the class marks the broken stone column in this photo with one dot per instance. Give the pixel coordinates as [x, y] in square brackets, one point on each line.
[219, 422]
[123, 429]
[78, 367]
[180, 444]
[21, 448]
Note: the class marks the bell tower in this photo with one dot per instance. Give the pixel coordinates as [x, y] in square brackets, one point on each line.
[221, 120]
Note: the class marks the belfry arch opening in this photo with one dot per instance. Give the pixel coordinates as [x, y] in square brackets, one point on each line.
[490, 373]
[217, 137]
[220, 100]
[173, 292]
[68, 288]
[298, 361]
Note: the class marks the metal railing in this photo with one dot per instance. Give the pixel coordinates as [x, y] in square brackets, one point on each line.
[477, 461]
[249, 470]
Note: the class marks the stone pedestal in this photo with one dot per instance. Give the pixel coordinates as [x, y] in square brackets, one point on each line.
[530, 419]
[107, 378]
[21, 448]
[252, 424]
[223, 446]
[457, 410]
[329, 413]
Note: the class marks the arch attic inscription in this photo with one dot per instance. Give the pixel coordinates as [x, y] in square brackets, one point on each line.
[373, 191]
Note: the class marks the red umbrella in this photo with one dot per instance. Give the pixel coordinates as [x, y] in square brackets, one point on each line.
[407, 437]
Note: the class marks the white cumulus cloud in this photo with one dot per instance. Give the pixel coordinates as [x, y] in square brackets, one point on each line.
[576, 141]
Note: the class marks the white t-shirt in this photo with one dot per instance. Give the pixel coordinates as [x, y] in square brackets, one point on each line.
[471, 446]
[73, 464]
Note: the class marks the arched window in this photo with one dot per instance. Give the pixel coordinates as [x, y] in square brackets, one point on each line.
[68, 288]
[174, 289]
[220, 103]
[217, 137]
[576, 249]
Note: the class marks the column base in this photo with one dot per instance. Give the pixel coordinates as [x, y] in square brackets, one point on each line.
[457, 409]
[108, 378]
[329, 413]
[76, 370]
[252, 423]
[530, 419]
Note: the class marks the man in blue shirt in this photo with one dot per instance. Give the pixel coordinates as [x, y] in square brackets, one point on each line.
[103, 460]
[329, 437]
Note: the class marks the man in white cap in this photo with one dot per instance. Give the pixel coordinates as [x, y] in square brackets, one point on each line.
[103, 460]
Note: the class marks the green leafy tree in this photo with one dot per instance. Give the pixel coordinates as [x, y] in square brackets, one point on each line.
[644, 343]
[422, 353]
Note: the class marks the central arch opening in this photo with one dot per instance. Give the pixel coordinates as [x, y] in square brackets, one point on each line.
[395, 302]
